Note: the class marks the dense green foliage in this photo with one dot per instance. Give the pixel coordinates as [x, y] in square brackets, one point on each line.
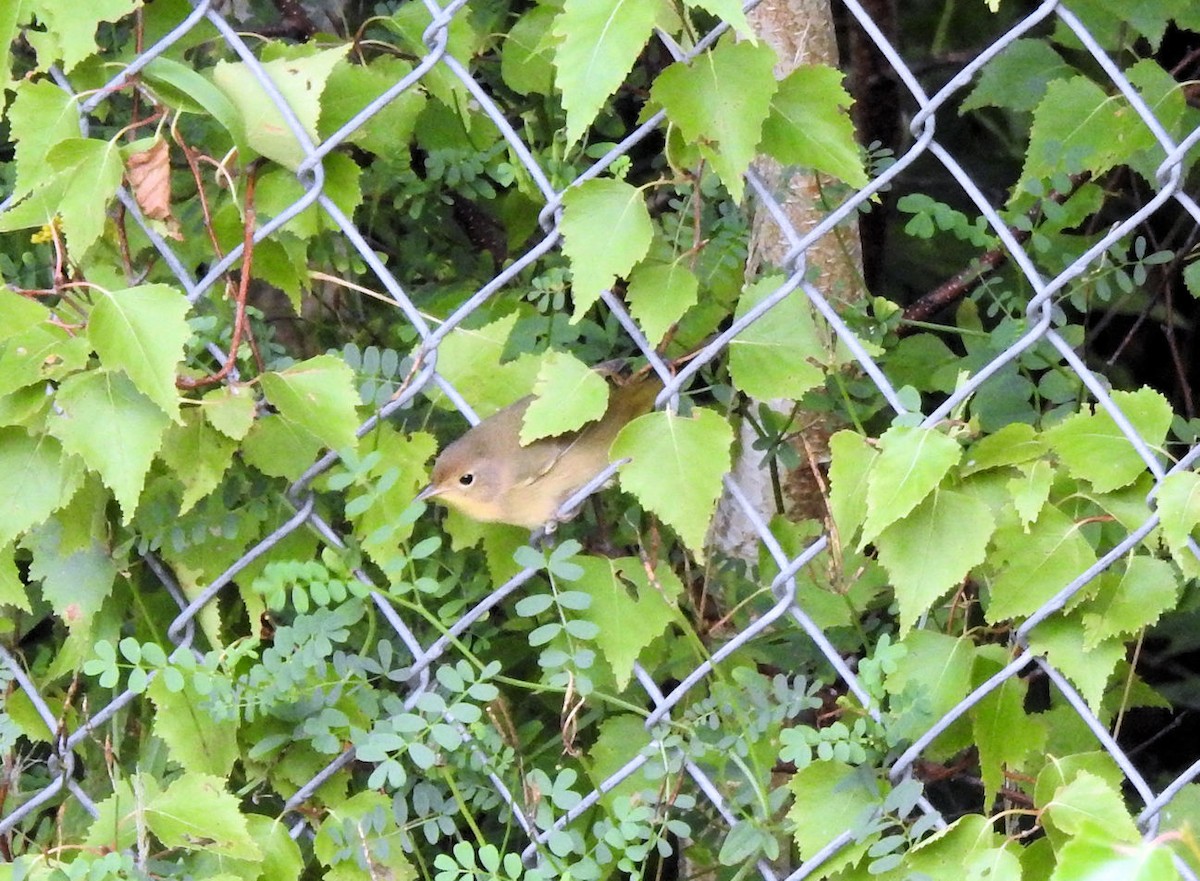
[144, 472]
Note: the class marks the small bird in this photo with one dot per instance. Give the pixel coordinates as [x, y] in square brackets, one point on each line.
[487, 474]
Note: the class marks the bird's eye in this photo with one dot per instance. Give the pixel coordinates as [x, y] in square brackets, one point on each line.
[466, 479]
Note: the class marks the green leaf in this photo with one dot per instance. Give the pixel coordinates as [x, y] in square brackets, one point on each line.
[70, 33]
[728, 11]
[658, 294]
[12, 588]
[1001, 730]
[677, 466]
[75, 584]
[1178, 505]
[410, 21]
[278, 190]
[931, 677]
[41, 116]
[1094, 856]
[1061, 639]
[300, 81]
[912, 462]
[1077, 127]
[809, 124]
[1094, 449]
[381, 528]
[720, 101]
[190, 92]
[1031, 490]
[922, 564]
[1088, 801]
[113, 427]
[198, 455]
[38, 479]
[1017, 78]
[599, 40]
[230, 410]
[197, 741]
[85, 177]
[619, 737]
[317, 396]
[471, 361]
[777, 356]
[568, 394]
[851, 459]
[1014, 444]
[628, 608]
[830, 797]
[196, 813]
[1035, 564]
[353, 86]
[142, 331]
[280, 447]
[606, 230]
[527, 56]
[1148, 589]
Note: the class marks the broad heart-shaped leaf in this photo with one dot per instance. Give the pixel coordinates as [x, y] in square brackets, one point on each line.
[1088, 801]
[628, 608]
[41, 116]
[527, 57]
[809, 124]
[658, 294]
[353, 86]
[779, 355]
[230, 410]
[75, 583]
[568, 395]
[911, 463]
[114, 428]
[470, 359]
[1061, 639]
[86, 173]
[194, 738]
[598, 42]
[1094, 449]
[1077, 127]
[38, 479]
[70, 34]
[318, 396]
[1001, 730]
[931, 677]
[142, 331]
[1148, 589]
[831, 797]
[606, 230]
[1036, 563]
[922, 564]
[199, 456]
[300, 81]
[195, 812]
[849, 469]
[1178, 506]
[1094, 856]
[677, 466]
[971, 847]
[720, 100]
[1018, 76]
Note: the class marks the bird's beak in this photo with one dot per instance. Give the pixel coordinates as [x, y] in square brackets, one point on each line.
[429, 490]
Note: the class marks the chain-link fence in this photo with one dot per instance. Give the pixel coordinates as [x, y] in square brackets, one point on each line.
[426, 657]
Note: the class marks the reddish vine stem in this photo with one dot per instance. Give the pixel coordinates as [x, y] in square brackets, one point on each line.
[239, 320]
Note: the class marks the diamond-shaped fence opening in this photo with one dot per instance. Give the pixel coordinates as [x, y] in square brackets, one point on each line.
[231, 613]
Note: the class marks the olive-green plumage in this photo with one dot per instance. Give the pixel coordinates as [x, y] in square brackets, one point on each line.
[487, 474]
